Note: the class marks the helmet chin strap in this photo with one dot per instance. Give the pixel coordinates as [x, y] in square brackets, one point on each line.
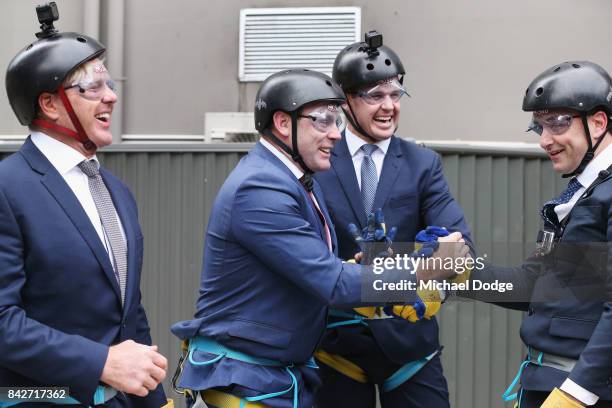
[590, 153]
[294, 153]
[352, 118]
[79, 134]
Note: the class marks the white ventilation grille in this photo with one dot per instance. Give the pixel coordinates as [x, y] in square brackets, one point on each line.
[273, 39]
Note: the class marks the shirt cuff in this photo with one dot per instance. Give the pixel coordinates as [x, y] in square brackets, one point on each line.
[581, 394]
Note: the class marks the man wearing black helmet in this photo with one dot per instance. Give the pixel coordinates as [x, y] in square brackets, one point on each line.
[565, 285]
[70, 243]
[372, 169]
[270, 269]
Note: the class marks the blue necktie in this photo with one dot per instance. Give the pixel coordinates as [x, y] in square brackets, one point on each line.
[573, 186]
[369, 178]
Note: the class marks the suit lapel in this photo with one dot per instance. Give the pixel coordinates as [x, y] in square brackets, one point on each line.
[64, 196]
[342, 164]
[263, 152]
[120, 201]
[389, 173]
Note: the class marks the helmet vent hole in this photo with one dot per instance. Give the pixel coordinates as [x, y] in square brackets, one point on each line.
[328, 83]
[387, 62]
[557, 69]
[81, 39]
[539, 91]
[29, 46]
[349, 48]
[370, 67]
[575, 65]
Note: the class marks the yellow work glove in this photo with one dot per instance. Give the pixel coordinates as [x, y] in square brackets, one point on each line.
[411, 313]
[367, 311]
[559, 399]
[169, 403]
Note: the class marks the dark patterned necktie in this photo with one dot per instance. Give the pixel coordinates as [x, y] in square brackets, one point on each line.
[110, 223]
[567, 194]
[369, 178]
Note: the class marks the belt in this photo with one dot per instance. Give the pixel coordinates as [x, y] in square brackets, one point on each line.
[372, 313]
[559, 362]
[542, 359]
[211, 346]
[224, 400]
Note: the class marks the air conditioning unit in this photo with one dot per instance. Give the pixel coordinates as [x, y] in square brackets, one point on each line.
[273, 39]
[229, 127]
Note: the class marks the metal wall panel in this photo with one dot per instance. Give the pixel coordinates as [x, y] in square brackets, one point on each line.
[500, 195]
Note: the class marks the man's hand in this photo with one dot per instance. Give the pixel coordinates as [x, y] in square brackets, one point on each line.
[439, 267]
[134, 368]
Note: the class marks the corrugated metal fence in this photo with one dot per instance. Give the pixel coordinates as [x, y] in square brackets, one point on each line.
[500, 194]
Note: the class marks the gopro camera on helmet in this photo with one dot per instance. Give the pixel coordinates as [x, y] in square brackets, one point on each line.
[47, 14]
[373, 39]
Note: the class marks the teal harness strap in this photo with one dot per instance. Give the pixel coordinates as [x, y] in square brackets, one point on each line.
[211, 346]
[405, 373]
[352, 318]
[506, 396]
[102, 394]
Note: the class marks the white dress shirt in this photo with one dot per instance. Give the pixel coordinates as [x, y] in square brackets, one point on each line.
[354, 144]
[65, 159]
[601, 162]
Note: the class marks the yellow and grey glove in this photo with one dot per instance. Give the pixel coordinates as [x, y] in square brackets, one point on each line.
[559, 399]
[428, 306]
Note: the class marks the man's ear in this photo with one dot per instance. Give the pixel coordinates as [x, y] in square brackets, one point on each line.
[48, 106]
[282, 125]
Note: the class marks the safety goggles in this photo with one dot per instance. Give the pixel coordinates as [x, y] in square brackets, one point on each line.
[378, 93]
[94, 87]
[326, 118]
[555, 124]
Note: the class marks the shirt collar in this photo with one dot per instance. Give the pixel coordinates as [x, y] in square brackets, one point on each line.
[354, 143]
[601, 162]
[63, 157]
[297, 172]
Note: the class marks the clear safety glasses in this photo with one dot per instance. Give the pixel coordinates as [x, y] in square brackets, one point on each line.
[326, 119]
[377, 94]
[555, 124]
[94, 88]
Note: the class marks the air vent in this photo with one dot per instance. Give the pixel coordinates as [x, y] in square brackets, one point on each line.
[273, 39]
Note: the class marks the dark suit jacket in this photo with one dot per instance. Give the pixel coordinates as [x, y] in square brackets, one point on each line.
[60, 306]
[267, 281]
[413, 194]
[570, 313]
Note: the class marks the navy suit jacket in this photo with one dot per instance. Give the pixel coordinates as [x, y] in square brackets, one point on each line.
[413, 194]
[570, 313]
[60, 305]
[267, 281]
